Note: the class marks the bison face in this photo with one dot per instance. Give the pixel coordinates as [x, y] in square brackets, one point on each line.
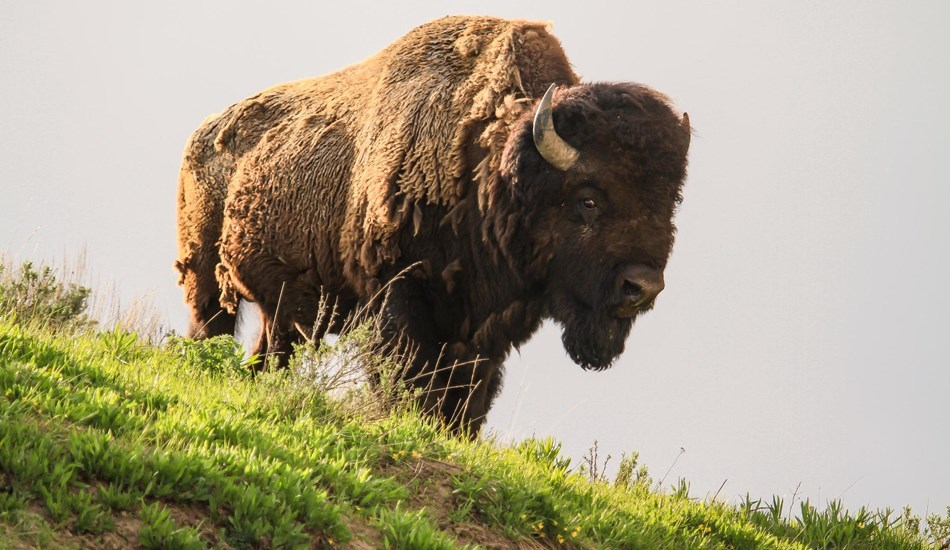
[609, 252]
[602, 211]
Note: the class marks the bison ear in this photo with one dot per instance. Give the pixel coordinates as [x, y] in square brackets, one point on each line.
[521, 165]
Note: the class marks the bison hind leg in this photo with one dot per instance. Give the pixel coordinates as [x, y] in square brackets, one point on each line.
[208, 317]
[210, 320]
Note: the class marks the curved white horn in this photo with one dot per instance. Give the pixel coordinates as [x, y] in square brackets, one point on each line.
[554, 149]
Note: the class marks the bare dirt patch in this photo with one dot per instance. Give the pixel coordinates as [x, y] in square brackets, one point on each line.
[365, 537]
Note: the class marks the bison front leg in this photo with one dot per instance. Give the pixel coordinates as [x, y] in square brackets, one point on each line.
[456, 385]
[460, 392]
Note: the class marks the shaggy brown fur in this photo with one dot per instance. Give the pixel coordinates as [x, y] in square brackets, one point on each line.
[422, 156]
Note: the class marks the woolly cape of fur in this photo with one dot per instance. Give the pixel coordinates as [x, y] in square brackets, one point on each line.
[390, 134]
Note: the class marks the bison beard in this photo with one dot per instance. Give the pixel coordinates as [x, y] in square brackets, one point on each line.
[593, 340]
[437, 171]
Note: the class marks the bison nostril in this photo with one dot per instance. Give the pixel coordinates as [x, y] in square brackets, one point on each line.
[632, 292]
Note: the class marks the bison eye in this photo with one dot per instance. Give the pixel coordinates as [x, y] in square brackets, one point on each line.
[588, 208]
[589, 203]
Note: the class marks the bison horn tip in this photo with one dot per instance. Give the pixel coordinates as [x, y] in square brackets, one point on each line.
[684, 123]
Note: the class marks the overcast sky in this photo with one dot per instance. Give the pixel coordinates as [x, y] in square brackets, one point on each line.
[803, 333]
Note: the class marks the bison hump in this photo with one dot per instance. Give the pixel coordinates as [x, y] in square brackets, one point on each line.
[434, 96]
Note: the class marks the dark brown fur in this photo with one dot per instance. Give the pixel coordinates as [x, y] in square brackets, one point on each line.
[421, 157]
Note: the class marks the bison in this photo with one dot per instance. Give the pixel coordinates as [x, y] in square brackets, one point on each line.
[463, 172]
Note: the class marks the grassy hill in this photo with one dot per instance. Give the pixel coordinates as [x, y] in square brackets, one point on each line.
[109, 441]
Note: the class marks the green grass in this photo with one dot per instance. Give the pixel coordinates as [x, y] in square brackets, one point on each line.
[106, 440]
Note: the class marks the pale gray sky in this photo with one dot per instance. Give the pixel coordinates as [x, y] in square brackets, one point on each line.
[803, 334]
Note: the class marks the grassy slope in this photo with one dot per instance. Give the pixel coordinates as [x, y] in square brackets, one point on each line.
[109, 442]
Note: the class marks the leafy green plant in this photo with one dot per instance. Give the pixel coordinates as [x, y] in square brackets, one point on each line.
[682, 489]
[89, 517]
[119, 343]
[10, 501]
[116, 497]
[544, 451]
[159, 530]
[405, 529]
[218, 355]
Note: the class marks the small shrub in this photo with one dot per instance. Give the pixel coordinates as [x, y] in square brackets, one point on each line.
[631, 474]
[30, 294]
[938, 530]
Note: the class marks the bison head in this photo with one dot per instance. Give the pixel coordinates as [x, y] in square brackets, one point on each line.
[598, 196]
